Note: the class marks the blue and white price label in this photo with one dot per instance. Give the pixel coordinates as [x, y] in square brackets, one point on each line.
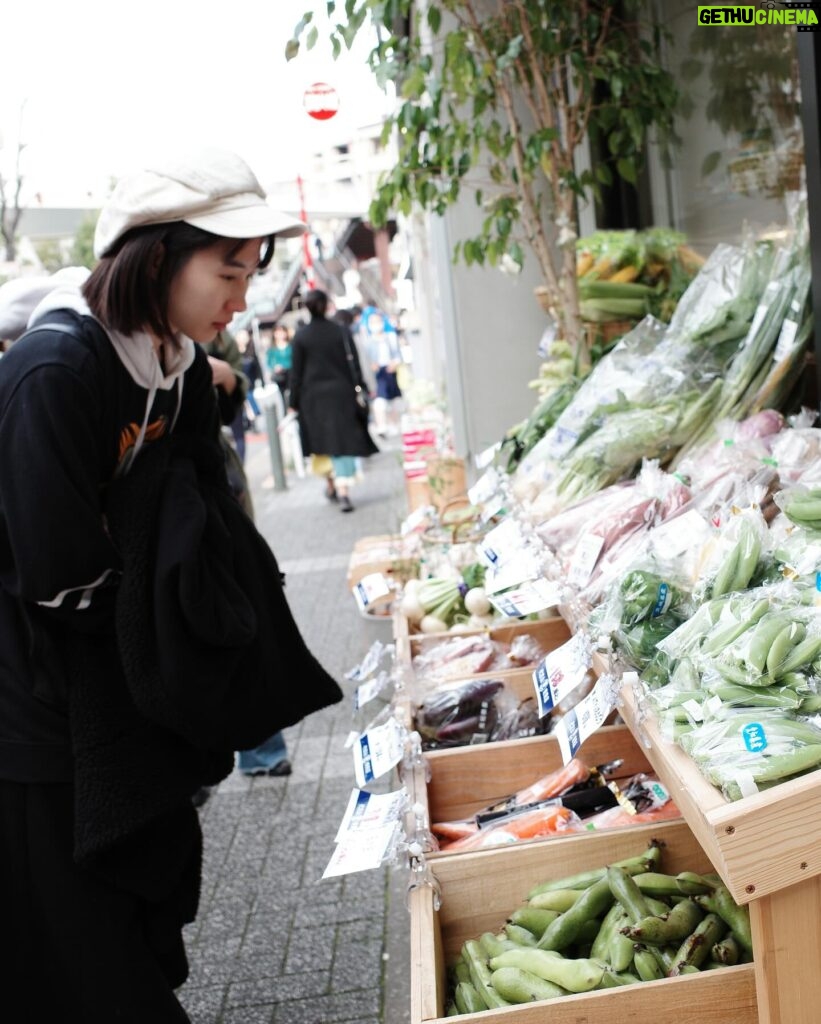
[532, 597]
[363, 850]
[366, 811]
[502, 543]
[517, 570]
[561, 671]
[371, 589]
[377, 751]
[588, 715]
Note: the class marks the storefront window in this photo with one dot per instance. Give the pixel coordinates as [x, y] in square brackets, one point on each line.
[741, 145]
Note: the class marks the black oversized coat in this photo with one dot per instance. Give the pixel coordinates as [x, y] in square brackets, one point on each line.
[322, 391]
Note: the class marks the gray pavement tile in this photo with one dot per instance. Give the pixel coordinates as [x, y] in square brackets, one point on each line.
[203, 999]
[339, 913]
[210, 951]
[306, 985]
[265, 965]
[309, 949]
[249, 1015]
[358, 965]
[363, 931]
[348, 1006]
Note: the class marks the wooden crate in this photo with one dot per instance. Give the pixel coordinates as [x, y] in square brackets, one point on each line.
[767, 849]
[551, 633]
[480, 890]
[463, 780]
[759, 845]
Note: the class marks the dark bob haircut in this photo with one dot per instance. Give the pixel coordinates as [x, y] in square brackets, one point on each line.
[128, 290]
[316, 302]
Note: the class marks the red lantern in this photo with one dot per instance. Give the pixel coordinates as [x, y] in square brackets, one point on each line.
[321, 101]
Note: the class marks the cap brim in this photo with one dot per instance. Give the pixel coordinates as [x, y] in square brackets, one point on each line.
[256, 221]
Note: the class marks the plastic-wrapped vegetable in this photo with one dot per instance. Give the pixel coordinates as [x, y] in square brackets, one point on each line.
[746, 749]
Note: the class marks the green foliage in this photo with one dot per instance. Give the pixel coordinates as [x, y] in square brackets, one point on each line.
[82, 250]
[499, 95]
[50, 255]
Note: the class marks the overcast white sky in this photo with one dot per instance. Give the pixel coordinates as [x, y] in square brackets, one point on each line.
[107, 81]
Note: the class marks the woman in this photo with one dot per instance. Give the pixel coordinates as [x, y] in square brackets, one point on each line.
[324, 380]
[112, 488]
[278, 360]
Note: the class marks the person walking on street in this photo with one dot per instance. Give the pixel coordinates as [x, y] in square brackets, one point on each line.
[138, 603]
[326, 383]
[279, 359]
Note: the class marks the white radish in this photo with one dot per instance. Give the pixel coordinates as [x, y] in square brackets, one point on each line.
[410, 607]
[476, 601]
[432, 624]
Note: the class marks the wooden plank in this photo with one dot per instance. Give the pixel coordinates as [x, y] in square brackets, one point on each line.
[551, 633]
[760, 844]
[463, 780]
[787, 936]
[714, 997]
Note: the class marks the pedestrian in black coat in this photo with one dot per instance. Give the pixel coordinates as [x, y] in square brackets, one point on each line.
[324, 379]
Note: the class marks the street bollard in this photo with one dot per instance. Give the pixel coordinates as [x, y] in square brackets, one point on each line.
[274, 447]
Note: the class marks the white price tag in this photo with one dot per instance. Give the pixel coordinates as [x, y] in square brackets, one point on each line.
[367, 691]
[561, 671]
[377, 751]
[484, 488]
[371, 589]
[694, 710]
[502, 543]
[687, 532]
[532, 597]
[361, 851]
[584, 558]
[487, 456]
[588, 715]
[786, 339]
[519, 569]
[417, 519]
[367, 811]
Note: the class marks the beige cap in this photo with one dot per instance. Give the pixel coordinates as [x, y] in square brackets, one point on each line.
[210, 189]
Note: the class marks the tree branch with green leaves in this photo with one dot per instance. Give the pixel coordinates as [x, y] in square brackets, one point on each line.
[498, 96]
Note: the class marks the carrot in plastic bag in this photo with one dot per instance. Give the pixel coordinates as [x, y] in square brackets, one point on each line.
[452, 830]
[528, 825]
[554, 783]
[617, 817]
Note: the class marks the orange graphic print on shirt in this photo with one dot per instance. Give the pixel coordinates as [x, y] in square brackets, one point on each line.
[128, 438]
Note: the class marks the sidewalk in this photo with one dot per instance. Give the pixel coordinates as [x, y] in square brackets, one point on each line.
[272, 943]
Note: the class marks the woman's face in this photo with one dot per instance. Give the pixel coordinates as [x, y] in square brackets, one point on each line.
[280, 337]
[211, 288]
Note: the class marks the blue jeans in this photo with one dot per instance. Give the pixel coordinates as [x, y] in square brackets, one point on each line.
[268, 754]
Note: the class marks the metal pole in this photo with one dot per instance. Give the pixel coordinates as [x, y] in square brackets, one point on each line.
[277, 466]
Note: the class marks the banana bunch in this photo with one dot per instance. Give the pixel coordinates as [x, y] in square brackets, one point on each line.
[803, 507]
[740, 562]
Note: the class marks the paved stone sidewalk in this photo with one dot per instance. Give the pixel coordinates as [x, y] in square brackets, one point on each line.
[273, 944]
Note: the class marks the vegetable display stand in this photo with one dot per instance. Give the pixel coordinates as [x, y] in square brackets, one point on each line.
[767, 849]
[480, 890]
